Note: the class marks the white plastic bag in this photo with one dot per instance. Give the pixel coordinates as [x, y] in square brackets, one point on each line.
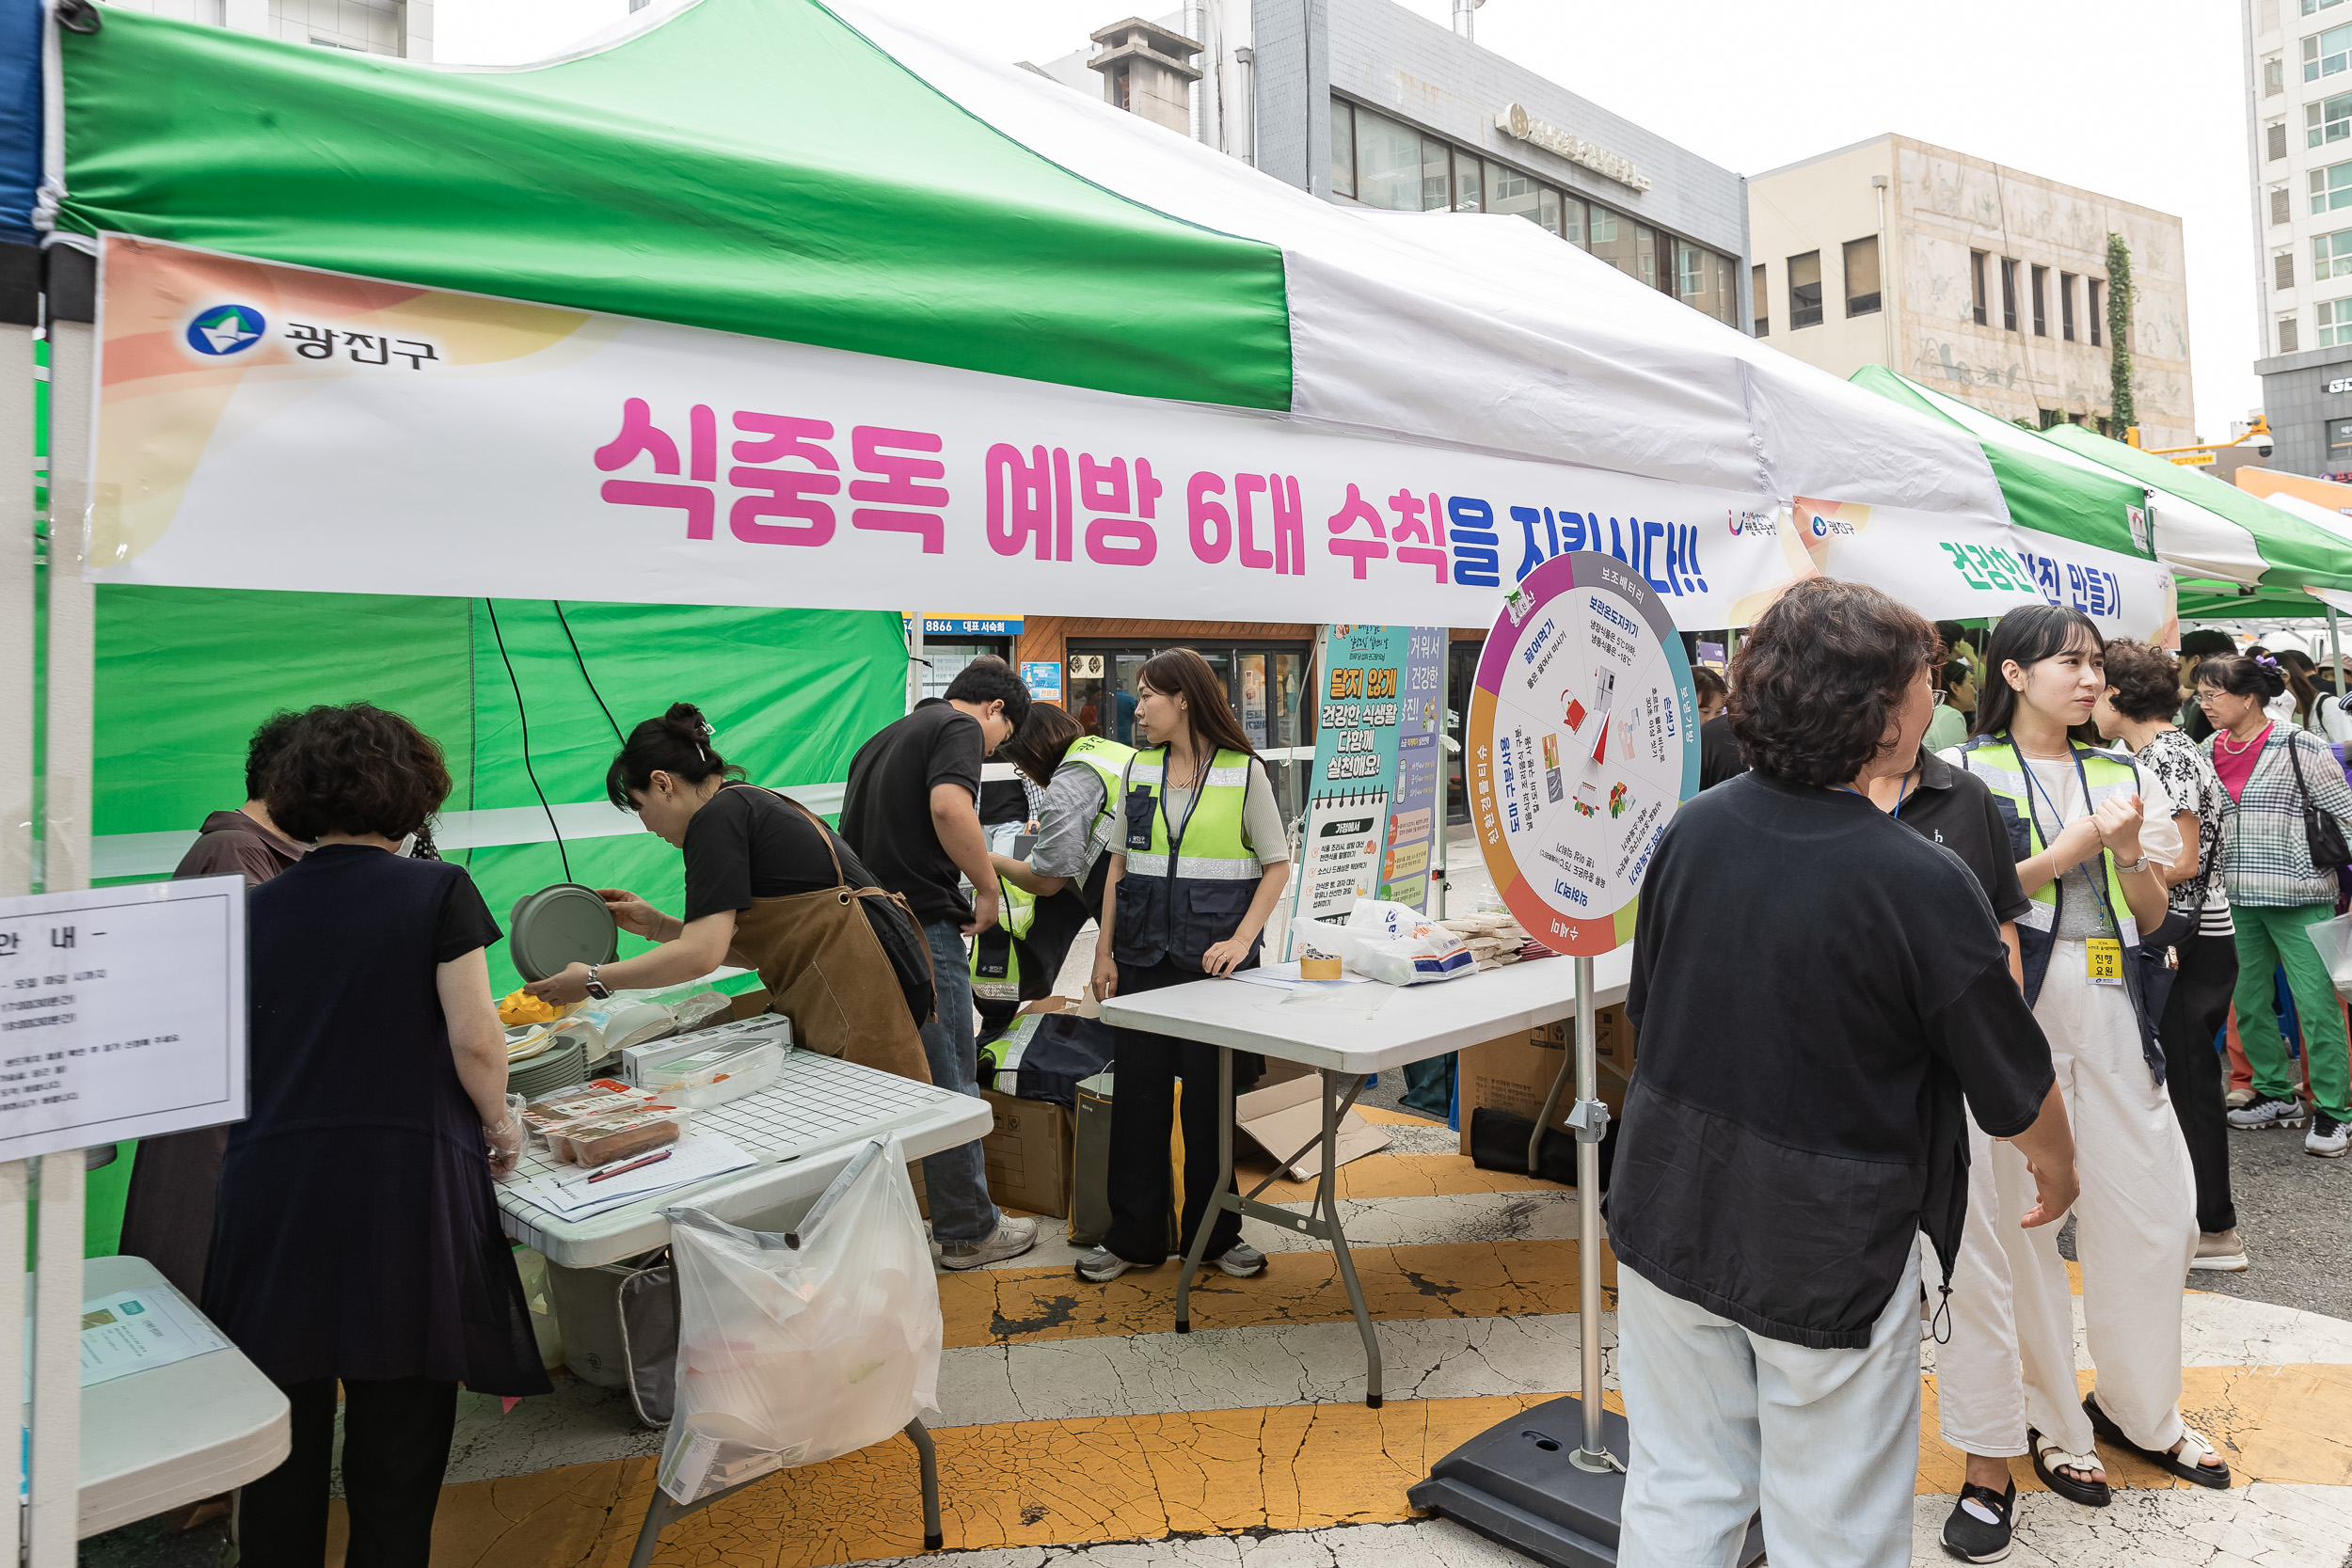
[788, 1356]
[2333, 938]
[1390, 942]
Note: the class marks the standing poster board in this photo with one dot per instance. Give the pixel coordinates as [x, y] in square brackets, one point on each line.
[1371, 816]
[123, 1013]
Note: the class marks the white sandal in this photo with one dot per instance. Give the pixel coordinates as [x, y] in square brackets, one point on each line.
[2049, 1459]
[2188, 1463]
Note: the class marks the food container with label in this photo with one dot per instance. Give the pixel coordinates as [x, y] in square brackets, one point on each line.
[602, 1140]
[703, 1079]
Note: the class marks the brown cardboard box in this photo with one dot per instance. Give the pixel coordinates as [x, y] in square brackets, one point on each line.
[1515, 1072]
[1027, 1153]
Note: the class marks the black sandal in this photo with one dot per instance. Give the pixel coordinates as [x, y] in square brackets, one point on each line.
[2188, 1463]
[2048, 1458]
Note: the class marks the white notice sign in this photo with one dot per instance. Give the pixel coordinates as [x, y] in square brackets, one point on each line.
[122, 1013]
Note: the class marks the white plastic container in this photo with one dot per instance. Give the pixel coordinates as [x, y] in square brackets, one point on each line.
[703, 1079]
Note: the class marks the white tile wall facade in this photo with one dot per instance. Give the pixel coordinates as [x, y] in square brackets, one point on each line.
[367, 26]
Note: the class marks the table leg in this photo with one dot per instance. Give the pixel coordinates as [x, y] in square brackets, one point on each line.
[649, 1535]
[929, 1455]
[1328, 1199]
[1223, 1199]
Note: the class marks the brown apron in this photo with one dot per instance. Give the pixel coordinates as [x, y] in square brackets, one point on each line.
[826, 971]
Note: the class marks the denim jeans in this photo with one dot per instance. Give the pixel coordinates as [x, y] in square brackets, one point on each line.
[956, 1179]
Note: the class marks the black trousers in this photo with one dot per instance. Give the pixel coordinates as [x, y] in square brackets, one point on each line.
[2192, 1070]
[396, 1439]
[1143, 1097]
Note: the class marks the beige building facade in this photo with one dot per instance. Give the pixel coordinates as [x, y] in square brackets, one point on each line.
[1979, 280]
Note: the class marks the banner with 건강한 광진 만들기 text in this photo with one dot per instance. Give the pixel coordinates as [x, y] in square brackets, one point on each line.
[268, 426]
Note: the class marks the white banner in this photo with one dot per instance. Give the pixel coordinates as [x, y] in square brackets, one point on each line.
[268, 426]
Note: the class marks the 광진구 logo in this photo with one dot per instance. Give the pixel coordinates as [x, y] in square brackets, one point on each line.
[225, 329]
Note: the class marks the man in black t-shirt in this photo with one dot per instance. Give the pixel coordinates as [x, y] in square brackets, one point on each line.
[912, 814]
[1815, 989]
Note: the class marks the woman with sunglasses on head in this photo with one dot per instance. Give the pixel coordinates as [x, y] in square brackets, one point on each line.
[1200, 860]
[2272, 771]
[2092, 863]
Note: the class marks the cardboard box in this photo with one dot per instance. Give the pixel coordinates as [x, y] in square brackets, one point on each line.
[1029, 1155]
[1280, 1118]
[1515, 1072]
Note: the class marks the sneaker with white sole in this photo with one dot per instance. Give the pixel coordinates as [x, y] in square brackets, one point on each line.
[1979, 1528]
[2326, 1137]
[1103, 1265]
[1242, 1260]
[2267, 1110]
[2219, 1252]
[2238, 1097]
[1012, 1238]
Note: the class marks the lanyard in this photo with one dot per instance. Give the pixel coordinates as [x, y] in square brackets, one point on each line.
[1901, 795]
[2034, 784]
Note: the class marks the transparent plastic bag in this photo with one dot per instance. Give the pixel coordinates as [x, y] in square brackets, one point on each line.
[2333, 938]
[1390, 942]
[795, 1348]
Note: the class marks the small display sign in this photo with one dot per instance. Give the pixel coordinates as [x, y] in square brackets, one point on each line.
[1044, 679]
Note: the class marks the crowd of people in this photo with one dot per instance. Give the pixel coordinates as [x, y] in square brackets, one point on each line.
[2029, 1027]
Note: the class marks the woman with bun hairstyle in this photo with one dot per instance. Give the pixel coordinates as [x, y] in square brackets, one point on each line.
[768, 886]
[2272, 771]
[2093, 861]
[1198, 861]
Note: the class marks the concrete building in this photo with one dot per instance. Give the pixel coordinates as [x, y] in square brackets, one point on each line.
[398, 27]
[1982, 281]
[2298, 123]
[1148, 70]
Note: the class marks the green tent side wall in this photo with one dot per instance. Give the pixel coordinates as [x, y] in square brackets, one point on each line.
[184, 675]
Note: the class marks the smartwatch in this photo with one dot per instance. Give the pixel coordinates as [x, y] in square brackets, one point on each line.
[596, 986]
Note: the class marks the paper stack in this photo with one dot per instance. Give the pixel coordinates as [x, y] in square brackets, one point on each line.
[1494, 936]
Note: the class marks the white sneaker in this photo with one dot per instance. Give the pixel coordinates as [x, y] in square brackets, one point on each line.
[1012, 1239]
[2266, 1111]
[2326, 1137]
[1101, 1266]
[1242, 1260]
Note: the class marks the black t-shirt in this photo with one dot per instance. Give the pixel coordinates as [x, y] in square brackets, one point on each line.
[1953, 807]
[1815, 986]
[747, 844]
[1718, 753]
[886, 812]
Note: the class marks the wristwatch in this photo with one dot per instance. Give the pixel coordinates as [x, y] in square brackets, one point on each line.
[2133, 869]
[596, 986]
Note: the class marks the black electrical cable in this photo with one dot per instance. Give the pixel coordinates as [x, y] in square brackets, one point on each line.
[525, 719]
[584, 674]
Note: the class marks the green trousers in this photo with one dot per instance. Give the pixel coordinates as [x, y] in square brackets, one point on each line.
[2269, 937]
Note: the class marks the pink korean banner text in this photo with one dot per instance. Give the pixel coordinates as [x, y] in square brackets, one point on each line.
[269, 426]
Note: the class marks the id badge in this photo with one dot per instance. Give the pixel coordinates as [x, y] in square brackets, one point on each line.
[2106, 957]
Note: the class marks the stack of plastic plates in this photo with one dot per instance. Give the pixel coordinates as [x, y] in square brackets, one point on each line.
[558, 1066]
[558, 926]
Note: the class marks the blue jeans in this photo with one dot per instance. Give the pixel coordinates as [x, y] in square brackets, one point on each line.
[955, 1179]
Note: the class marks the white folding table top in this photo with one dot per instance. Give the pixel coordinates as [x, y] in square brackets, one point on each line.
[1414, 1024]
[802, 1129]
[172, 1434]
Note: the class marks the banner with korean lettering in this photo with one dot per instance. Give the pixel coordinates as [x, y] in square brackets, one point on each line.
[268, 426]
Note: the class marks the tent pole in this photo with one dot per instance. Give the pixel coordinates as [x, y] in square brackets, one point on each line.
[915, 664]
[2335, 651]
[19, 303]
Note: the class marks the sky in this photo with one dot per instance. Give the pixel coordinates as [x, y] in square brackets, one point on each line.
[2144, 103]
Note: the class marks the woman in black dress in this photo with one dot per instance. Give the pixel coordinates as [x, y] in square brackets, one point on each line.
[357, 1237]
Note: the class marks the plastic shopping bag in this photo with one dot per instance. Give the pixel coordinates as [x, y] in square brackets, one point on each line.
[2333, 938]
[794, 1348]
[1390, 942]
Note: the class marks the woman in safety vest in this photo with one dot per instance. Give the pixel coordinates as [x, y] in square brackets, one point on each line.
[1063, 877]
[1199, 861]
[2093, 945]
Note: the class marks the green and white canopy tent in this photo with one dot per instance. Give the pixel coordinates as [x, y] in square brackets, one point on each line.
[409, 383]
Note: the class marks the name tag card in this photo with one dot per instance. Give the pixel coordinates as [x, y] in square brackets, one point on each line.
[123, 1013]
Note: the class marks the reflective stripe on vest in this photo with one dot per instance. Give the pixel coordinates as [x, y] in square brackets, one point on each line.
[2103, 777]
[1109, 760]
[1178, 900]
[1212, 850]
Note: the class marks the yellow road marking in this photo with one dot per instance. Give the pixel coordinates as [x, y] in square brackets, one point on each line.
[1030, 1483]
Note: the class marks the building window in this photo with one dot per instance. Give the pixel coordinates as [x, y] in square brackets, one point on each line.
[2334, 319]
[1343, 148]
[2327, 54]
[2329, 119]
[2275, 139]
[2280, 208]
[2097, 314]
[2331, 187]
[1436, 186]
[2331, 255]
[2051, 419]
[1804, 289]
[1704, 282]
[2009, 294]
[2286, 336]
[1976, 284]
[2282, 267]
[1761, 300]
[1573, 225]
[1861, 275]
[1630, 248]
[2041, 305]
[1388, 163]
[2066, 305]
[1470, 183]
[1509, 191]
[2309, 7]
[2339, 441]
[2274, 75]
